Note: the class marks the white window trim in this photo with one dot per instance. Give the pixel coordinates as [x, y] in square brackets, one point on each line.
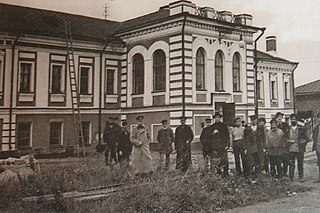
[32, 83]
[63, 77]
[62, 133]
[89, 80]
[115, 83]
[89, 132]
[151, 134]
[1, 72]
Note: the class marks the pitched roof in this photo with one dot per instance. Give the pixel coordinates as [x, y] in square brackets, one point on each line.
[140, 21]
[265, 56]
[312, 87]
[25, 20]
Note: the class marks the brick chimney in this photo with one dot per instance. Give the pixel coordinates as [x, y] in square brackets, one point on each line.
[271, 45]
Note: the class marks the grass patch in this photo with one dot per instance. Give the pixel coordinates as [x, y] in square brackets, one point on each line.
[163, 192]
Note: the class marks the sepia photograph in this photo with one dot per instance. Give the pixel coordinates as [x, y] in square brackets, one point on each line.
[159, 106]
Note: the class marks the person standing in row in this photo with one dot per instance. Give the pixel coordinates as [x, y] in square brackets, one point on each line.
[297, 139]
[275, 144]
[239, 147]
[316, 142]
[110, 138]
[183, 138]
[261, 143]
[165, 139]
[124, 145]
[206, 142]
[141, 156]
[220, 143]
[285, 154]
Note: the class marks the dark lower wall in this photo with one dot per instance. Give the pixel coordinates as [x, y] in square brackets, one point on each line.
[308, 103]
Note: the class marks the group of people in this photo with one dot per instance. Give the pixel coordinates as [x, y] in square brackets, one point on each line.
[255, 148]
[275, 150]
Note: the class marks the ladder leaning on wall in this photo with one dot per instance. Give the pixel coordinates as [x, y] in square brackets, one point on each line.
[75, 96]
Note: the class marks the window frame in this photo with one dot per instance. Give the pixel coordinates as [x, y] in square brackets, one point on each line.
[22, 75]
[27, 131]
[138, 87]
[86, 138]
[219, 71]
[236, 72]
[62, 80]
[87, 88]
[200, 70]
[159, 71]
[111, 83]
[60, 137]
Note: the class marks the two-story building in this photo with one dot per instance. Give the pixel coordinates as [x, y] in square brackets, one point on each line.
[179, 60]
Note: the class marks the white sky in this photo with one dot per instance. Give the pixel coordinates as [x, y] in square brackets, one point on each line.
[295, 23]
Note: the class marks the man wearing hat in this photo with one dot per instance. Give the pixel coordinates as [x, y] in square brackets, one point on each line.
[111, 138]
[183, 138]
[205, 140]
[141, 156]
[124, 145]
[220, 143]
[165, 139]
[255, 163]
[297, 138]
[239, 147]
[275, 144]
[285, 154]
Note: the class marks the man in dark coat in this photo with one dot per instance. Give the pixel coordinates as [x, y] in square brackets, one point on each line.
[220, 143]
[183, 138]
[297, 139]
[261, 144]
[165, 139]
[206, 142]
[111, 138]
[285, 154]
[124, 145]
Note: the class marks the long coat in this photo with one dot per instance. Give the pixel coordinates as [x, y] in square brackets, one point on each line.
[141, 156]
[165, 138]
[124, 144]
[206, 140]
[221, 140]
[182, 135]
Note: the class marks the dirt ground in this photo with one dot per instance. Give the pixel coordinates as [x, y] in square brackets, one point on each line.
[294, 202]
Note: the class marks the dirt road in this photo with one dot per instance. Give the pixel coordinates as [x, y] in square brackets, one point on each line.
[305, 202]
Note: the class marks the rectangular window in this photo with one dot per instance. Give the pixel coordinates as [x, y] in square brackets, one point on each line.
[56, 79]
[86, 132]
[286, 91]
[24, 134]
[84, 80]
[55, 133]
[25, 77]
[110, 82]
[1, 75]
[274, 94]
[259, 89]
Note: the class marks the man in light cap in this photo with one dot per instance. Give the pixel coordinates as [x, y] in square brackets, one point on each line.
[183, 138]
[165, 139]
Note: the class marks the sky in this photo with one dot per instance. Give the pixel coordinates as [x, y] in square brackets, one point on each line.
[295, 23]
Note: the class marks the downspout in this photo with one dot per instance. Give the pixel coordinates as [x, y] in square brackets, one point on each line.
[256, 111]
[11, 89]
[183, 67]
[100, 89]
[293, 89]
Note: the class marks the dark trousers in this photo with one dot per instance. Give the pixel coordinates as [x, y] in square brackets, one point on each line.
[222, 156]
[285, 163]
[292, 159]
[275, 165]
[111, 154]
[255, 163]
[161, 159]
[123, 157]
[239, 155]
[183, 159]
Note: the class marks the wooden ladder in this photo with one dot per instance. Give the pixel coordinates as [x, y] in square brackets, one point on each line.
[75, 96]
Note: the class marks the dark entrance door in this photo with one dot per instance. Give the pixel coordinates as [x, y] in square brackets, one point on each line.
[229, 113]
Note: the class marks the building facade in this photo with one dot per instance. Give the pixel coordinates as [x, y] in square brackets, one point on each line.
[179, 60]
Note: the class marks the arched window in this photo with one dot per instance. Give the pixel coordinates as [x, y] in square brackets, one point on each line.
[138, 74]
[200, 70]
[159, 71]
[219, 71]
[236, 72]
